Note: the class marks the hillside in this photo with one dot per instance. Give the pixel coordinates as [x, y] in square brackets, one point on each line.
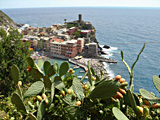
[6, 21]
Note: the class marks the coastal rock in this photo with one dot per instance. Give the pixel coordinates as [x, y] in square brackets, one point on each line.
[106, 46]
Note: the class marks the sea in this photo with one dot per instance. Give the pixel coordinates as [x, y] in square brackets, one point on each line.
[123, 29]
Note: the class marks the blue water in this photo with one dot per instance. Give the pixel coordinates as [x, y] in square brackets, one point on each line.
[115, 27]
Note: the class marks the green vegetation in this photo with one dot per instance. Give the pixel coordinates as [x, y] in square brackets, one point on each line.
[13, 51]
[56, 93]
[6, 21]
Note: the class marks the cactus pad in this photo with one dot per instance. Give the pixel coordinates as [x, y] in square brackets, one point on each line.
[34, 89]
[15, 73]
[118, 114]
[63, 68]
[16, 99]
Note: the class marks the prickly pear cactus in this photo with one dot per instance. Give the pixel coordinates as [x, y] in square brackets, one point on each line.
[63, 68]
[17, 100]
[41, 110]
[15, 73]
[105, 89]
[47, 82]
[46, 65]
[30, 61]
[148, 95]
[77, 87]
[50, 72]
[34, 89]
[156, 81]
[40, 64]
[118, 114]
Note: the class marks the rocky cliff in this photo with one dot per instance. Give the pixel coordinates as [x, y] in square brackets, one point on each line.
[6, 21]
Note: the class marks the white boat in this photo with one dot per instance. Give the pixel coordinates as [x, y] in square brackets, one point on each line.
[82, 76]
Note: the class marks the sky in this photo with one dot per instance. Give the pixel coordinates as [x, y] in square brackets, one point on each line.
[5, 4]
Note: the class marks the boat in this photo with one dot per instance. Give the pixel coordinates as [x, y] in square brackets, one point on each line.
[81, 71]
[76, 67]
[82, 76]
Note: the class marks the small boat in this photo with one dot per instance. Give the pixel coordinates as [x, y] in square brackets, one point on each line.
[76, 67]
[82, 76]
[81, 71]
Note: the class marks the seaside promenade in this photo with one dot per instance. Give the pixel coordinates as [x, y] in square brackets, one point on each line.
[94, 63]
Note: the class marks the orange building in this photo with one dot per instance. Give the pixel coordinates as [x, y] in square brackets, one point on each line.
[67, 49]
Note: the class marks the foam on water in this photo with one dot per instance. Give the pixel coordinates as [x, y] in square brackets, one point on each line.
[109, 71]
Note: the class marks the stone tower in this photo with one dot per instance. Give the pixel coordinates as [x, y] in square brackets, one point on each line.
[80, 17]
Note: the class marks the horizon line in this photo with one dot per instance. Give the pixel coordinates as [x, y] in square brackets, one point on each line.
[86, 7]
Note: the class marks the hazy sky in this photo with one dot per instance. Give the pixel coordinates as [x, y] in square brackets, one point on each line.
[77, 3]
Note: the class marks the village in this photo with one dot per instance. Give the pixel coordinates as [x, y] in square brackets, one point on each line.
[74, 41]
[62, 40]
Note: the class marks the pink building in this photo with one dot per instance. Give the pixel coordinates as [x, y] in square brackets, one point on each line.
[72, 30]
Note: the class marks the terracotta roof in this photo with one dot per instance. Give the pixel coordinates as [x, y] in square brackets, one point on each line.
[42, 32]
[59, 40]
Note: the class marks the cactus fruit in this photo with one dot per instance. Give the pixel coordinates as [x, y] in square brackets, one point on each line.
[29, 68]
[62, 93]
[70, 70]
[46, 102]
[20, 83]
[122, 80]
[69, 91]
[44, 96]
[119, 95]
[78, 103]
[155, 106]
[118, 77]
[139, 110]
[39, 98]
[145, 111]
[145, 106]
[146, 102]
[122, 91]
[124, 84]
[93, 78]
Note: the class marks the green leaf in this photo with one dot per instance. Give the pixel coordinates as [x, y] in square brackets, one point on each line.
[32, 117]
[128, 68]
[16, 99]
[40, 64]
[34, 89]
[101, 73]
[72, 111]
[83, 77]
[50, 71]
[30, 61]
[138, 56]
[58, 83]
[52, 92]
[46, 65]
[47, 82]
[89, 74]
[41, 110]
[118, 114]
[56, 67]
[132, 101]
[156, 81]
[15, 73]
[36, 74]
[146, 94]
[77, 88]
[97, 78]
[39, 69]
[67, 99]
[105, 89]
[64, 68]
[92, 70]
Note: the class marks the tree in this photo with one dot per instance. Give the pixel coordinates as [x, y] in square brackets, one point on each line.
[12, 51]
